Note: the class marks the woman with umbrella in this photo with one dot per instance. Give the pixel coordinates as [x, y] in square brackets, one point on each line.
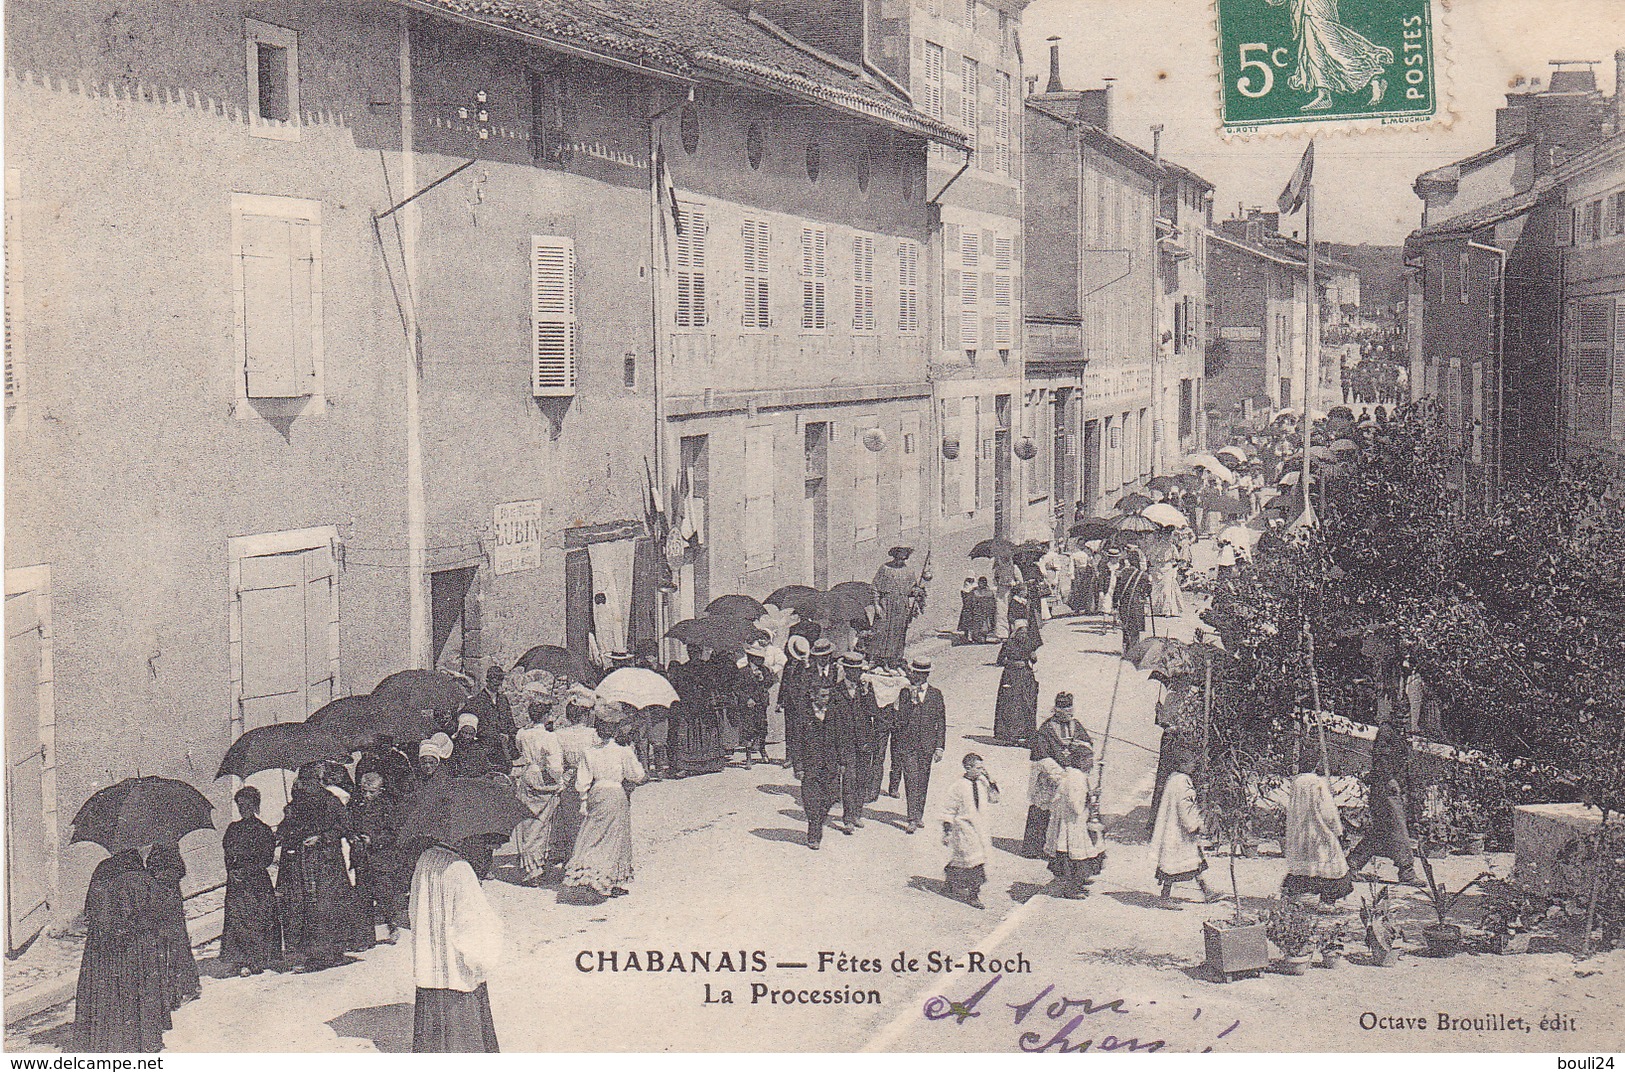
[134, 969]
[602, 861]
[704, 687]
[1015, 714]
[1132, 594]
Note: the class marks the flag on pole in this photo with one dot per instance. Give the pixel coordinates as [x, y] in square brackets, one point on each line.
[668, 191]
[1291, 199]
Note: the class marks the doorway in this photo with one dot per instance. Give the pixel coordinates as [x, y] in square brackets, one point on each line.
[1091, 463]
[695, 484]
[28, 838]
[815, 504]
[452, 615]
[1001, 466]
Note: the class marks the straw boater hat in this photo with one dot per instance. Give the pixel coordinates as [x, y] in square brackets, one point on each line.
[919, 665]
[822, 648]
[467, 721]
[1063, 703]
[852, 658]
[799, 647]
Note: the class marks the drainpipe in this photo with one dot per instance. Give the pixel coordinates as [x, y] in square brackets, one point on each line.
[1499, 298]
[419, 653]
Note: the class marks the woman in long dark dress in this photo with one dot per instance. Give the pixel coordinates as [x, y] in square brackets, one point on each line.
[127, 974]
[322, 909]
[1015, 716]
[252, 936]
[168, 869]
[698, 744]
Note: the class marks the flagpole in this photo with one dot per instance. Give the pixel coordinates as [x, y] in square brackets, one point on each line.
[1313, 312]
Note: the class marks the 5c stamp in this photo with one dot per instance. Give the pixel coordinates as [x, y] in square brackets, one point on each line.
[1309, 61]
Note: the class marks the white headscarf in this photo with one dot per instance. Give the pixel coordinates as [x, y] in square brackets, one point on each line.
[438, 746]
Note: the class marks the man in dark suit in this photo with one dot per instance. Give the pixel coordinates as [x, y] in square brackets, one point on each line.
[852, 709]
[819, 751]
[921, 737]
[495, 714]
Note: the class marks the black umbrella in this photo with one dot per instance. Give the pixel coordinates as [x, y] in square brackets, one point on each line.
[141, 811]
[1133, 502]
[1162, 483]
[744, 608]
[722, 634]
[792, 597]
[1027, 555]
[997, 547]
[280, 746]
[560, 662]
[421, 690]
[356, 720]
[861, 592]
[1136, 523]
[452, 810]
[1093, 529]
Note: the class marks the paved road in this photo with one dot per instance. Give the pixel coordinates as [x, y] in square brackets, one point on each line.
[722, 869]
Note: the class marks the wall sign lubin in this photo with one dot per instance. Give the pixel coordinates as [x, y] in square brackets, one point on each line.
[519, 528]
[1304, 61]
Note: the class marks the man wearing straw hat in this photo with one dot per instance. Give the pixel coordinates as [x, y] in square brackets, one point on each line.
[921, 737]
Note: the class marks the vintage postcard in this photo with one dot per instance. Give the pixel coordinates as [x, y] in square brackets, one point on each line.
[973, 526]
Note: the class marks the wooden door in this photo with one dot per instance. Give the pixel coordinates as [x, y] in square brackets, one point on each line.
[27, 852]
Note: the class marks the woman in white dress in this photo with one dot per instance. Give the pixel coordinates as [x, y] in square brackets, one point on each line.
[602, 861]
[538, 787]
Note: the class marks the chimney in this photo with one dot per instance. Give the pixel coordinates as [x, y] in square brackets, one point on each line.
[1054, 85]
[1095, 107]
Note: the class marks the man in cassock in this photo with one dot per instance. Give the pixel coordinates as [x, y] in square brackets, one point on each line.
[131, 961]
[900, 590]
[853, 709]
[921, 737]
[375, 819]
[456, 942]
[820, 751]
[494, 711]
[1055, 740]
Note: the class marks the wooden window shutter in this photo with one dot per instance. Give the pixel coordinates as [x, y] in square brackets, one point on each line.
[14, 292]
[908, 287]
[554, 332]
[271, 262]
[970, 290]
[950, 286]
[1594, 354]
[1619, 370]
[692, 310]
[1003, 291]
[757, 300]
[814, 278]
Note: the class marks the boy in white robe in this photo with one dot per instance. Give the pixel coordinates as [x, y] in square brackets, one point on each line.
[456, 942]
[1315, 863]
[1075, 842]
[1174, 840]
[964, 831]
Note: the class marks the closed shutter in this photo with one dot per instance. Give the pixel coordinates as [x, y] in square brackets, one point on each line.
[909, 474]
[757, 301]
[14, 291]
[1594, 354]
[760, 533]
[908, 287]
[555, 334]
[970, 304]
[1001, 130]
[814, 278]
[278, 260]
[934, 62]
[1003, 291]
[952, 432]
[272, 598]
[321, 631]
[863, 283]
[27, 833]
[1619, 369]
[969, 83]
[950, 286]
[692, 310]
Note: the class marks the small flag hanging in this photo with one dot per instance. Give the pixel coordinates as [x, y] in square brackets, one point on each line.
[1291, 199]
[668, 191]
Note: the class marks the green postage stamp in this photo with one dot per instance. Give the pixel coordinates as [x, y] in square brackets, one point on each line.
[1308, 61]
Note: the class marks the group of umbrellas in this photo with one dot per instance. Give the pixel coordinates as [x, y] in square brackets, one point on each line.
[729, 624]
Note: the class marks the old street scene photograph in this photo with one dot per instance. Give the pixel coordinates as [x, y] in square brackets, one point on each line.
[854, 525]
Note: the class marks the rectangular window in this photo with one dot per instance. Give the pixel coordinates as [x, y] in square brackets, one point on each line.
[970, 294]
[908, 475]
[1003, 291]
[908, 287]
[1593, 351]
[865, 485]
[759, 510]
[550, 122]
[814, 278]
[1001, 127]
[1616, 215]
[554, 332]
[863, 283]
[934, 62]
[1464, 277]
[758, 307]
[273, 80]
[1593, 221]
[14, 292]
[970, 15]
[970, 80]
[1187, 408]
[1004, 32]
[691, 310]
[279, 295]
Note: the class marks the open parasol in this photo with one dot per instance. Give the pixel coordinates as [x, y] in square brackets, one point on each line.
[1133, 502]
[356, 720]
[722, 634]
[744, 608]
[792, 597]
[452, 810]
[421, 690]
[560, 662]
[1211, 465]
[637, 687]
[1136, 523]
[280, 746]
[141, 811]
[1231, 454]
[861, 591]
[996, 548]
[1165, 515]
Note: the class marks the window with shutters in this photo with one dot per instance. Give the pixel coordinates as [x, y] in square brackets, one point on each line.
[909, 474]
[970, 291]
[863, 283]
[1616, 214]
[760, 533]
[1464, 278]
[970, 15]
[908, 287]
[1179, 327]
[935, 61]
[551, 118]
[1619, 369]
[970, 80]
[1563, 227]
[14, 291]
[1593, 221]
[692, 310]
[814, 278]
[555, 335]
[278, 282]
[1187, 408]
[1003, 291]
[1593, 356]
[273, 80]
[1001, 122]
[758, 306]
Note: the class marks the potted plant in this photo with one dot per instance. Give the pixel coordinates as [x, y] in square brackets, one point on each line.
[1292, 930]
[1379, 928]
[1333, 943]
[1240, 944]
[1513, 915]
[1443, 937]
